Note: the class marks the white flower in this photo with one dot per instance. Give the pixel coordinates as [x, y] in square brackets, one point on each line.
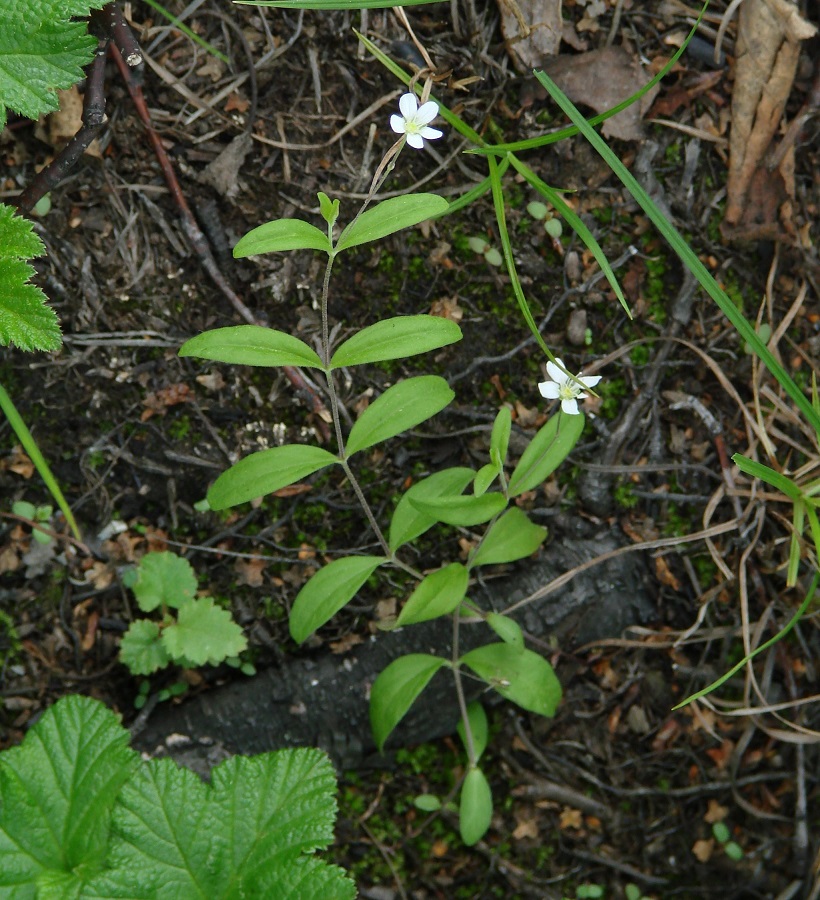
[568, 390]
[414, 120]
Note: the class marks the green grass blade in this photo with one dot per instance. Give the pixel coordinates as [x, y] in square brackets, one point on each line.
[575, 223]
[506, 246]
[684, 251]
[30, 446]
[779, 636]
[181, 26]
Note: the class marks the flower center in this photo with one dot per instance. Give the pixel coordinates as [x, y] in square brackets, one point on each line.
[568, 391]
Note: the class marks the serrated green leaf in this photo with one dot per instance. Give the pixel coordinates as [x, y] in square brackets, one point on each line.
[395, 690]
[396, 338]
[204, 634]
[546, 451]
[438, 594]
[251, 345]
[507, 629]
[57, 790]
[408, 522]
[26, 319]
[485, 476]
[512, 537]
[141, 648]
[400, 407]
[240, 836]
[475, 810]
[519, 675]
[265, 472]
[163, 579]
[328, 591]
[41, 51]
[391, 216]
[462, 510]
[281, 235]
[479, 728]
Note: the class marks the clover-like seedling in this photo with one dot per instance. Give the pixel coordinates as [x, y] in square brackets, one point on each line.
[723, 836]
[193, 631]
[35, 514]
[490, 254]
[542, 213]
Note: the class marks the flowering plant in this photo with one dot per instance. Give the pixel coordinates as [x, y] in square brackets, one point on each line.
[414, 121]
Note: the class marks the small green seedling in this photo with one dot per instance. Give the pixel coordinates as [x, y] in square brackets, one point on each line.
[192, 631]
[542, 213]
[723, 836]
[36, 515]
[490, 254]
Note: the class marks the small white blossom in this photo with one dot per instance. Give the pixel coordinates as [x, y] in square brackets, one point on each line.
[414, 120]
[568, 390]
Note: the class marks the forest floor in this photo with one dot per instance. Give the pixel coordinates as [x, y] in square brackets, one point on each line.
[617, 789]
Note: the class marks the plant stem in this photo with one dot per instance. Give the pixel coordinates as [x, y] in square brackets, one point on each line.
[462, 701]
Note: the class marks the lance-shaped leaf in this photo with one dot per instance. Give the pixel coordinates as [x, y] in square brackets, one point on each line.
[439, 593]
[479, 729]
[462, 510]
[512, 537]
[395, 339]
[400, 407]
[267, 471]
[251, 345]
[475, 810]
[395, 690]
[408, 522]
[485, 476]
[328, 591]
[519, 675]
[500, 437]
[57, 790]
[282, 234]
[545, 452]
[389, 217]
[507, 629]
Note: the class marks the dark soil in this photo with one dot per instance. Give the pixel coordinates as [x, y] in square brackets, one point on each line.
[617, 788]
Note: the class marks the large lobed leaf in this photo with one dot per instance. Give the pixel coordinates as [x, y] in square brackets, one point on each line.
[41, 51]
[57, 790]
[26, 319]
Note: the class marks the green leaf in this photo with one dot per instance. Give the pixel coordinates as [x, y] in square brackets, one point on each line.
[395, 339]
[427, 803]
[163, 579]
[281, 234]
[267, 471]
[479, 728]
[519, 675]
[26, 319]
[328, 591]
[400, 407]
[500, 437]
[437, 595]
[24, 509]
[475, 810]
[204, 634]
[485, 476]
[408, 522]
[545, 452]
[512, 537]
[242, 835]
[389, 217]
[41, 51]
[462, 510]
[141, 648]
[507, 629]
[778, 481]
[251, 345]
[57, 790]
[395, 690]
[328, 208]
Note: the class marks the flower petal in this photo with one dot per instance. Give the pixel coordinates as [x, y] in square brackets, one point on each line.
[408, 105]
[555, 373]
[589, 380]
[570, 407]
[397, 123]
[415, 140]
[430, 134]
[549, 390]
[427, 112]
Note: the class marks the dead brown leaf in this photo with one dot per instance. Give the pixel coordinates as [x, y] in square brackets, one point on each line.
[346, 643]
[767, 51]
[665, 575]
[19, 463]
[9, 560]
[601, 79]
[715, 812]
[703, 850]
[527, 825]
[159, 401]
[570, 818]
[250, 571]
[447, 308]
